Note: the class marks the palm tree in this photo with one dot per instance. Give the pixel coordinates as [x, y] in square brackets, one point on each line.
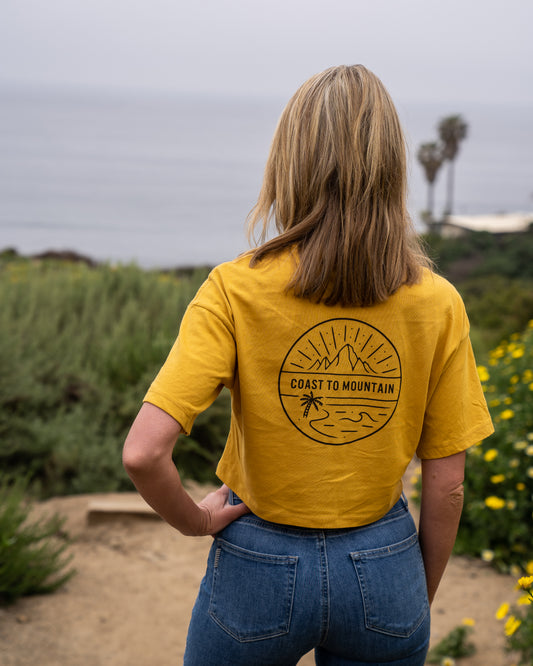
[431, 158]
[452, 130]
[310, 400]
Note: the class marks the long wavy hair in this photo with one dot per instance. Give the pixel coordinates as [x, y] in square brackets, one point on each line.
[335, 185]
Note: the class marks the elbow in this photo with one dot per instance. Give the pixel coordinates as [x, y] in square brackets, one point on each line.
[452, 492]
[456, 496]
[150, 441]
[137, 458]
[131, 461]
[444, 500]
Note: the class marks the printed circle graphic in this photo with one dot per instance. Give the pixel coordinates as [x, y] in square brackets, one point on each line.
[340, 381]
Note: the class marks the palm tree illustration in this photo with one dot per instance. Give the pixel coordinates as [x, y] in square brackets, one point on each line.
[310, 400]
[430, 156]
[452, 130]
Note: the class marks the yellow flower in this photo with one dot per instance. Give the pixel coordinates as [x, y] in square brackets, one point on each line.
[530, 387]
[511, 504]
[512, 625]
[483, 373]
[518, 353]
[514, 379]
[530, 472]
[514, 463]
[468, 621]
[497, 478]
[520, 446]
[525, 582]
[507, 414]
[508, 401]
[502, 611]
[495, 502]
[529, 565]
[487, 555]
[527, 376]
[524, 600]
[490, 455]
[447, 661]
[529, 450]
[520, 486]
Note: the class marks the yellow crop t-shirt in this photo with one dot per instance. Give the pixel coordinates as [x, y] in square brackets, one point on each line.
[329, 404]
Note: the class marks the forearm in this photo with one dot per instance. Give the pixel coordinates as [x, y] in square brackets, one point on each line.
[160, 485]
[440, 513]
[439, 520]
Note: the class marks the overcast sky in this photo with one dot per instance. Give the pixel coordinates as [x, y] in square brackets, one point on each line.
[423, 50]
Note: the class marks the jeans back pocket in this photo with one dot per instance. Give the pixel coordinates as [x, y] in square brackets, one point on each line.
[393, 586]
[252, 593]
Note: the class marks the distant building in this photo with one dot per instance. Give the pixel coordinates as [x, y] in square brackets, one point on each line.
[454, 226]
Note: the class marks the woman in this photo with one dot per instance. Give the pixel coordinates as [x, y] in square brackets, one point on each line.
[345, 356]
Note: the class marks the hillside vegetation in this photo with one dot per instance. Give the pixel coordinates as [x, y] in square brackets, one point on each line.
[80, 345]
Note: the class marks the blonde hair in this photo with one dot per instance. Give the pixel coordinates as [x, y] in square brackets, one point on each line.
[335, 184]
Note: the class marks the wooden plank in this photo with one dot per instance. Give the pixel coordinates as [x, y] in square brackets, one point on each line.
[106, 510]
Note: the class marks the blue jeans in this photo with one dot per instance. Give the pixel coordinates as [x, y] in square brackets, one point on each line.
[274, 592]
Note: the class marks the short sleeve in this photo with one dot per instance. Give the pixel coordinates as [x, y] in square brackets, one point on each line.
[456, 415]
[201, 361]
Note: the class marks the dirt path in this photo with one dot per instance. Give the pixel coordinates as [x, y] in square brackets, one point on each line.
[130, 602]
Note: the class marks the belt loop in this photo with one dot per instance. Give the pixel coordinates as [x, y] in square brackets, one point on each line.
[233, 498]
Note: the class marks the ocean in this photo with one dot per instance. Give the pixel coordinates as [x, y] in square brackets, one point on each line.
[168, 181]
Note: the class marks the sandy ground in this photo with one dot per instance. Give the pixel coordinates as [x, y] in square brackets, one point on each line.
[130, 602]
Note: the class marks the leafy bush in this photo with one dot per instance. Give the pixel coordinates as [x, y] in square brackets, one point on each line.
[494, 275]
[496, 308]
[482, 254]
[80, 346]
[453, 646]
[496, 521]
[32, 557]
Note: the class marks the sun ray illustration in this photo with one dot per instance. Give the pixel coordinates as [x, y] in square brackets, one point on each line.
[376, 350]
[367, 341]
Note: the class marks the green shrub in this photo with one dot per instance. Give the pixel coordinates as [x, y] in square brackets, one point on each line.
[496, 307]
[482, 254]
[453, 646]
[496, 520]
[32, 559]
[80, 346]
